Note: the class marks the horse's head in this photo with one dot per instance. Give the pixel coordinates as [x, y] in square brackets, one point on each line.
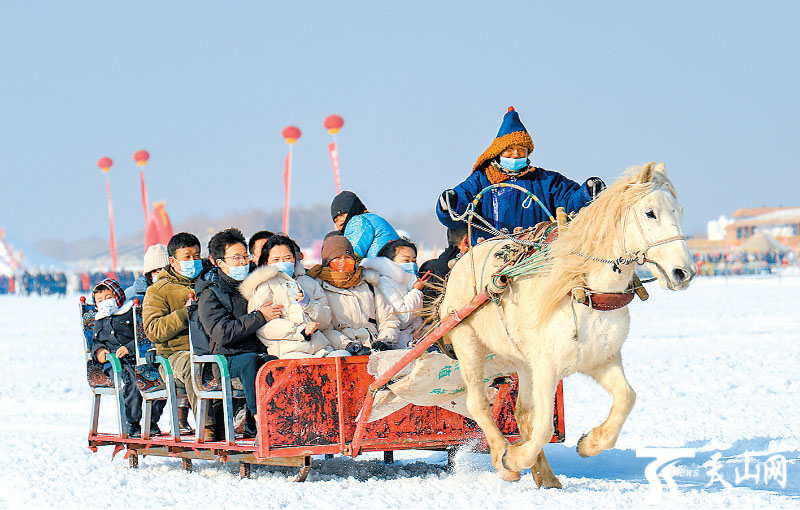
[653, 229]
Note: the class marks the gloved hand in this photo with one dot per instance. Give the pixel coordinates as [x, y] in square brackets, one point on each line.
[150, 358]
[595, 185]
[354, 347]
[448, 200]
[380, 346]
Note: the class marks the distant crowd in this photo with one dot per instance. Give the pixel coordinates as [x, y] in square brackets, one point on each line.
[59, 283]
[739, 263]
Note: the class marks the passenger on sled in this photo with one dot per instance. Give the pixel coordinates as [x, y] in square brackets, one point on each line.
[362, 319]
[156, 258]
[396, 264]
[229, 324]
[508, 209]
[366, 231]
[113, 333]
[304, 313]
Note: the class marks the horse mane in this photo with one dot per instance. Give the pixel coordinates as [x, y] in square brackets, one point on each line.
[596, 231]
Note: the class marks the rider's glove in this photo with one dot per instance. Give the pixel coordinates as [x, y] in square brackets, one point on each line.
[595, 185]
[448, 200]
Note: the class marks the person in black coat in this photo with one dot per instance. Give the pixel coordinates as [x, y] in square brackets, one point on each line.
[440, 267]
[224, 318]
[113, 332]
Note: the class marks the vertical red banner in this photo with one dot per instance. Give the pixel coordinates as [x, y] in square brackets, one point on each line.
[287, 188]
[112, 241]
[145, 201]
[333, 152]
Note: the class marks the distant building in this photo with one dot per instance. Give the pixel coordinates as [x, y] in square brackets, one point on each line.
[783, 223]
[716, 228]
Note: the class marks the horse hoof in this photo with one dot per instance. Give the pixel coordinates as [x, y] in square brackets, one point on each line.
[509, 476]
[582, 446]
[549, 482]
[506, 473]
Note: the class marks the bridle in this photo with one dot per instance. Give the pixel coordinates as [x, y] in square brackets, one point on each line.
[639, 257]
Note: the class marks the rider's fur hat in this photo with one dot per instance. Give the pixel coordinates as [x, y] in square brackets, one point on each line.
[511, 132]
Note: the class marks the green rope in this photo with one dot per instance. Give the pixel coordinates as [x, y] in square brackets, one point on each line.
[516, 187]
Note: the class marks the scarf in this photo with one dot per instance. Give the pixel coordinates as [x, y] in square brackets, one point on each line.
[496, 174]
[341, 280]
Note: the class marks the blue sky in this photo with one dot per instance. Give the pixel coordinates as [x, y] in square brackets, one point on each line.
[710, 88]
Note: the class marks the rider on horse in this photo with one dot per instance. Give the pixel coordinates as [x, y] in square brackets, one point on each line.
[506, 208]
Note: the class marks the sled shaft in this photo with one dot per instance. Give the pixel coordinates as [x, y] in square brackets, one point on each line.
[449, 323]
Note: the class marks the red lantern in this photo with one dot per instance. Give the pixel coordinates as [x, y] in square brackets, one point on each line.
[104, 164]
[141, 157]
[333, 123]
[291, 134]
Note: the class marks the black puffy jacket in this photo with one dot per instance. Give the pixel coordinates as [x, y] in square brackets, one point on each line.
[113, 332]
[223, 315]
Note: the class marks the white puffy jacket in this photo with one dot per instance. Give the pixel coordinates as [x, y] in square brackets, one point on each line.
[397, 286]
[283, 336]
[359, 314]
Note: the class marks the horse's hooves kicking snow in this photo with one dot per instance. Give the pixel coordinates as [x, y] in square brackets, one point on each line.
[505, 473]
[547, 481]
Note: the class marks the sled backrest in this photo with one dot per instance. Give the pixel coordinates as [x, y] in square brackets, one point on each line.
[147, 378]
[95, 374]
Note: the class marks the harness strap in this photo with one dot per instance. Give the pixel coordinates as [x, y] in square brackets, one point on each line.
[604, 301]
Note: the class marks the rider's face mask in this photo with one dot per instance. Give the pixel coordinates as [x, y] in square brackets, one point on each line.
[514, 164]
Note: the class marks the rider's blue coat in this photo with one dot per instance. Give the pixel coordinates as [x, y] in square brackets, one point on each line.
[503, 207]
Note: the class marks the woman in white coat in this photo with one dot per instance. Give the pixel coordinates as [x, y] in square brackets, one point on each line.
[396, 264]
[281, 279]
[361, 318]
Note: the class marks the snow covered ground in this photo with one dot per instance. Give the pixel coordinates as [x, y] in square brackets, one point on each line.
[716, 369]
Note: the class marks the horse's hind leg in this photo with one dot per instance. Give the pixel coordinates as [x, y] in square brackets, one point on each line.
[471, 356]
[612, 378]
[542, 473]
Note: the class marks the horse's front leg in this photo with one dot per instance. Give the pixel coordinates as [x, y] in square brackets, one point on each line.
[541, 471]
[612, 378]
[536, 420]
[471, 355]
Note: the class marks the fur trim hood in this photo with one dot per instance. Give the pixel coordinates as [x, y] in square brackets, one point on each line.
[261, 275]
[386, 267]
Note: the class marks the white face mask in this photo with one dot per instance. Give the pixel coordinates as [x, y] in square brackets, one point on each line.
[154, 279]
[107, 306]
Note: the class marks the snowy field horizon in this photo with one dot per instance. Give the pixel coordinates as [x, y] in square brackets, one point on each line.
[715, 369]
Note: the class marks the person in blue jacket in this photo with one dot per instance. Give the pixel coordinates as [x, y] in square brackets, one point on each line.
[507, 161]
[366, 231]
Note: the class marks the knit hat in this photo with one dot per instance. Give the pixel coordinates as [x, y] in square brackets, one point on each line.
[349, 203]
[511, 132]
[155, 257]
[119, 294]
[336, 246]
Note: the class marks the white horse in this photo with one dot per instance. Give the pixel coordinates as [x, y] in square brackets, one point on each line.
[546, 335]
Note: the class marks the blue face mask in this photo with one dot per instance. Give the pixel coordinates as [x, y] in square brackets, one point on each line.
[514, 164]
[410, 267]
[284, 267]
[238, 273]
[190, 268]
